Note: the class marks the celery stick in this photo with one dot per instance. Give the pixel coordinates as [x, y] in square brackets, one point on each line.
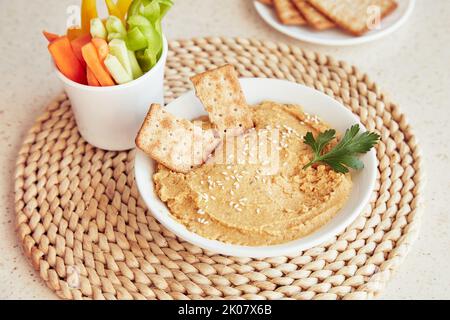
[164, 6]
[118, 48]
[158, 26]
[146, 59]
[115, 25]
[138, 20]
[135, 68]
[151, 11]
[136, 40]
[116, 70]
[134, 8]
[98, 30]
[154, 39]
[115, 35]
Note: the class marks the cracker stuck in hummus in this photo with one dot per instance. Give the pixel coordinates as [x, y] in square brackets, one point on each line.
[221, 94]
[177, 143]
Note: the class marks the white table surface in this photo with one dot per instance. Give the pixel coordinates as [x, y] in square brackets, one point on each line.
[412, 66]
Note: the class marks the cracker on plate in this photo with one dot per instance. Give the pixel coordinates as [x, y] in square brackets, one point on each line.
[314, 18]
[354, 16]
[176, 143]
[220, 92]
[287, 13]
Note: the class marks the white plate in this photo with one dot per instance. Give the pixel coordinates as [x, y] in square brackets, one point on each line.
[257, 90]
[336, 37]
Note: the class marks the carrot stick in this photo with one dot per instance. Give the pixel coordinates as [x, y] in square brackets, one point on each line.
[102, 47]
[90, 55]
[91, 79]
[74, 32]
[66, 61]
[50, 36]
[77, 44]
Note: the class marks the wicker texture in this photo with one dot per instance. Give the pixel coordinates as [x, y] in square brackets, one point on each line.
[78, 208]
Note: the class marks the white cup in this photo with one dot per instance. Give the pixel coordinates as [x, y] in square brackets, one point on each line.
[110, 117]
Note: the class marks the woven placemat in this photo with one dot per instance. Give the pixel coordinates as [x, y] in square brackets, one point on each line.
[88, 233]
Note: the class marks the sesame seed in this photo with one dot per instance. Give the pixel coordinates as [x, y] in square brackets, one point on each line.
[202, 221]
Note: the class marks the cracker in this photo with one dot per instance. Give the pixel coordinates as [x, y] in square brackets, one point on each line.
[267, 2]
[353, 15]
[176, 143]
[287, 13]
[314, 18]
[221, 94]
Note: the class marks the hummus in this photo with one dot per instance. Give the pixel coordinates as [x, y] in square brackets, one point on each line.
[256, 202]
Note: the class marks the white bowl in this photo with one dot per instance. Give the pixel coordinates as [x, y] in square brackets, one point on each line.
[336, 37]
[110, 117]
[257, 90]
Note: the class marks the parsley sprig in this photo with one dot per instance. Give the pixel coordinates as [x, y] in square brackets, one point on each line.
[344, 154]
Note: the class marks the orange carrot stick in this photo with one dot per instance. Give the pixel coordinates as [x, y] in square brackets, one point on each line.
[50, 36]
[90, 55]
[77, 44]
[74, 32]
[102, 47]
[91, 79]
[66, 61]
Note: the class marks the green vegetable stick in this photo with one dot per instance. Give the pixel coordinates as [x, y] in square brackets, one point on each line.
[154, 39]
[98, 30]
[164, 5]
[136, 39]
[151, 11]
[135, 68]
[115, 35]
[116, 69]
[118, 48]
[134, 8]
[115, 25]
[146, 59]
[158, 26]
[138, 20]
